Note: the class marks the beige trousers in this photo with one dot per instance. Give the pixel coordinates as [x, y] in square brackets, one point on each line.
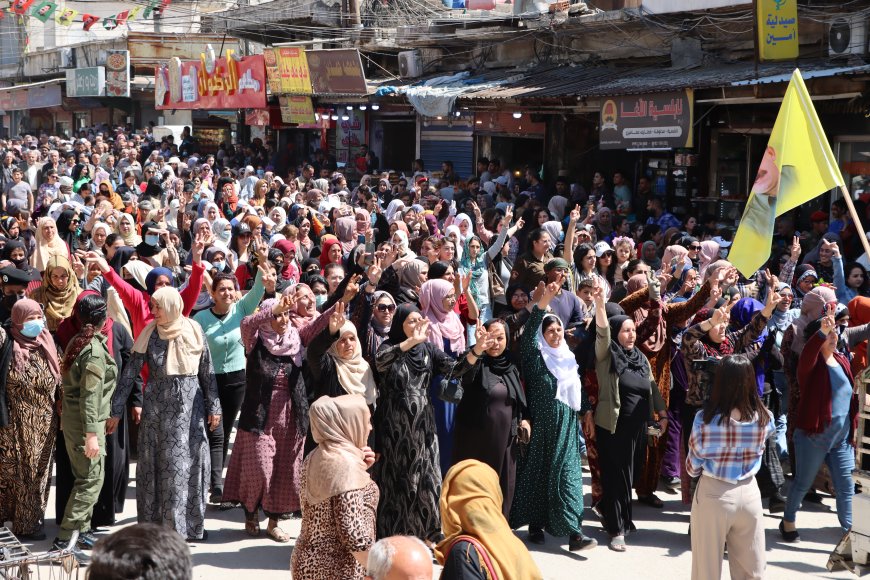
[727, 512]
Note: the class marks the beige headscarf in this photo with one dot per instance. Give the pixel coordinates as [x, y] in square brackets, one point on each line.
[58, 302]
[340, 427]
[183, 334]
[131, 239]
[354, 374]
[46, 248]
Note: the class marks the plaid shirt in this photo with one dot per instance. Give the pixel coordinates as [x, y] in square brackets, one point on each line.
[730, 452]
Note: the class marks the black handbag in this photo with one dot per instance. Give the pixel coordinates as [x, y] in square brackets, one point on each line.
[451, 390]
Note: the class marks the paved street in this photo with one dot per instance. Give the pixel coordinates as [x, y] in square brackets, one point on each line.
[660, 547]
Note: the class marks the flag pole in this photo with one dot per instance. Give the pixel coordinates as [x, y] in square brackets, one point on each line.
[852, 212]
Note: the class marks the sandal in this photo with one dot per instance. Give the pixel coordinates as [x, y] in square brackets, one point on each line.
[278, 535]
[252, 528]
[617, 544]
[651, 500]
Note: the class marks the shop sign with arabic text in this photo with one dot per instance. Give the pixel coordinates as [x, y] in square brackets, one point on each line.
[211, 83]
[654, 121]
[336, 72]
[777, 30]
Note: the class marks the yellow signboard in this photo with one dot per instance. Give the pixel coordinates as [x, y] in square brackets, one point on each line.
[296, 110]
[293, 68]
[777, 29]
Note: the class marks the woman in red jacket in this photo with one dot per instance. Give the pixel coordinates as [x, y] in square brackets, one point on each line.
[826, 419]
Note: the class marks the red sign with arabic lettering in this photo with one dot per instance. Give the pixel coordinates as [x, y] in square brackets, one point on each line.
[231, 84]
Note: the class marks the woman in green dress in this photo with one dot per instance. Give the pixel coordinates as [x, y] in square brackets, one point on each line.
[549, 489]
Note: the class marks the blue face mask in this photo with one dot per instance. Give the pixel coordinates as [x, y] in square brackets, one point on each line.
[152, 239]
[320, 299]
[219, 265]
[32, 328]
[207, 265]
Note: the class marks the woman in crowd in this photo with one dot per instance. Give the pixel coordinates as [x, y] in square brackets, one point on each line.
[335, 359]
[59, 290]
[725, 448]
[446, 333]
[264, 470]
[127, 229]
[492, 417]
[825, 420]
[221, 325]
[117, 444]
[549, 489]
[339, 498]
[181, 392]
[657, 349]
[29, 387]
[474, 264]
[48, 244]
[89, 379]
[408, 472]
[627, 397]
[478, 543]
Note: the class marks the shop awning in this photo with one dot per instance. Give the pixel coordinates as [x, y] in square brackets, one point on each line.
[39, 95]
[581, 81]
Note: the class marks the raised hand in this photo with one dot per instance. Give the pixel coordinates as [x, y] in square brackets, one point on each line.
[373, 272]
[574, 216]
[78, 267]
[98, 259]
[538, 292]
[285, 304]
[480, 335]
[351, 290]
[773, 298]
[336, 319]
[521, 223]
[420, 332]
[795, 248]
[465, 281]
[828, 324]
[198, 248]
[270, 277]
[720, 316]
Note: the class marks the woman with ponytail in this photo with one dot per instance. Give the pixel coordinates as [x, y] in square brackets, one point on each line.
[89, 374]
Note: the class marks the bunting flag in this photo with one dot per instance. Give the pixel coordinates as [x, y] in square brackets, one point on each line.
[43, 10]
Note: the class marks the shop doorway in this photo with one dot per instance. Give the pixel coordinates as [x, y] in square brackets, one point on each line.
[515, 153]
[398, 143]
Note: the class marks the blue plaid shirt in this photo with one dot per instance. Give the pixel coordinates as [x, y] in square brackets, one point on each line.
[730, 452]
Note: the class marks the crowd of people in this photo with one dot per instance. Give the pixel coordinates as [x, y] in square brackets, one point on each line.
[414, 367]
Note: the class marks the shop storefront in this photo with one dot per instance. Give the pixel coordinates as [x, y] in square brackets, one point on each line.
[28, 108]
[515, 139]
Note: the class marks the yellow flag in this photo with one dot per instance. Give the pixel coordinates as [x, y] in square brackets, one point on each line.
[797, 166]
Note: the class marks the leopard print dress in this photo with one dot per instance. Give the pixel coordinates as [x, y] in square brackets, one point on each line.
[332, 530]
[27, 443]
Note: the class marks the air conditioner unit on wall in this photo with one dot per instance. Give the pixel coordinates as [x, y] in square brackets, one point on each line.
[410, 64]
[847, 36]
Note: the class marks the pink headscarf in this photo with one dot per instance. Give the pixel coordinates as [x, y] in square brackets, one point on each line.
[442, 323]
[675, 252]
[812, 308]
[290, 270]
[287, 344]
[345, 230]
[300, 318]
[709, 254]
[22, 345]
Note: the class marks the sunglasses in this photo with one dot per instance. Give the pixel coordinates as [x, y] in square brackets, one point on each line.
[694, 247]
[386, 307]
[75, 221]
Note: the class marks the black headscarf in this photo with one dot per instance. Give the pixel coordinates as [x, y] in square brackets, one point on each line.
[121, 257]
[64, 220]
[6, 254]
[622, 359]
[415, 356]
[613, 309]
[7, 224]
[501, 369]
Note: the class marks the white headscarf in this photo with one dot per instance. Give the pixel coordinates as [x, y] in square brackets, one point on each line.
[563, 366]
[394, 210]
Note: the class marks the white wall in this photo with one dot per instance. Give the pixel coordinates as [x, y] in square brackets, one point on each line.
[665, 6]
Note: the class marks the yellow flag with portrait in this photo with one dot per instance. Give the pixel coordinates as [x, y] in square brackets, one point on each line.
[798, 165]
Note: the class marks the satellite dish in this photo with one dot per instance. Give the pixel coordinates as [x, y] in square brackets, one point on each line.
[840, 36]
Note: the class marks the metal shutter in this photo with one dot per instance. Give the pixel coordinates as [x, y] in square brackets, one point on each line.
[448, 141]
